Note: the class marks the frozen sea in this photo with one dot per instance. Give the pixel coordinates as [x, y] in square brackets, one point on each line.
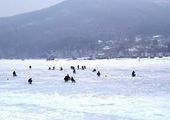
[115, 95]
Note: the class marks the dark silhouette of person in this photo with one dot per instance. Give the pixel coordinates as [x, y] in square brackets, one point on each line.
[133, 74]
[74, 71]
[78, 67]
[30, 67]
[67, 78]
[98, 73]
[73, 80]
[14, 74]
[94, 70]
[82, 67]
[30, 81]
[54, 68]
[49, 68]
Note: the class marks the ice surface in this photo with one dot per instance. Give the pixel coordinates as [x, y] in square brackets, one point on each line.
[113, 96]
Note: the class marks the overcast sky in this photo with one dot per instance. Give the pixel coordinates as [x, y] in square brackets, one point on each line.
[13, 7]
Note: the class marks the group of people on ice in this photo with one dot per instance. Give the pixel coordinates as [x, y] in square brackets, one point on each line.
[68, 78]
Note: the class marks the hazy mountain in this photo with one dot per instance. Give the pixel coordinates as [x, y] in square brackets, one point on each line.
[77, 25]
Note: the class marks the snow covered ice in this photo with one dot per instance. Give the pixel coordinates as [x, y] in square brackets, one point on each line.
[113, 96]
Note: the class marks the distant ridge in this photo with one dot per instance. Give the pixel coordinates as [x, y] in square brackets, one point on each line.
[73, 27]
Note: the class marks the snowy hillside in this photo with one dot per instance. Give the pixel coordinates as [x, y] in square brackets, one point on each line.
[115, 95]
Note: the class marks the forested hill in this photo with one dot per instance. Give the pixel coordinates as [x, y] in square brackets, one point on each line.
[73, 27]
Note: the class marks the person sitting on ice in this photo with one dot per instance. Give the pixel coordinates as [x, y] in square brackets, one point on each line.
[30, 81]
[14, 74]
[30, 67]
[94, 70]
[98, 73]
[133, 74]
[67, 78]
[73, 80]
[49, 68]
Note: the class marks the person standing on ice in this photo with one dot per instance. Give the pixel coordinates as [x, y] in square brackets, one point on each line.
[78, 67]
[82, 67]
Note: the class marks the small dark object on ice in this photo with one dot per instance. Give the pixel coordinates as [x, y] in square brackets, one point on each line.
[74, 71]
[78, 67]
[49, 68]
[94, 70]
[98, 73]
[30, 81]
[30, 67]
[133, 74]
[82, 67]
[73, 80]
[54, 68]
[14, 74]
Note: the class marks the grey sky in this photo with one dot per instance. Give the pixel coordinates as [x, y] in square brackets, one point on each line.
[13, 7]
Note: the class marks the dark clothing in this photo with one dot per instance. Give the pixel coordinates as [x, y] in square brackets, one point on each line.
[94, 70]
[72, 80]
[14, 74]
[30, 67]
[98, 73]
[133, 74]
[30, 81]
[66, 78]
[74, 71]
